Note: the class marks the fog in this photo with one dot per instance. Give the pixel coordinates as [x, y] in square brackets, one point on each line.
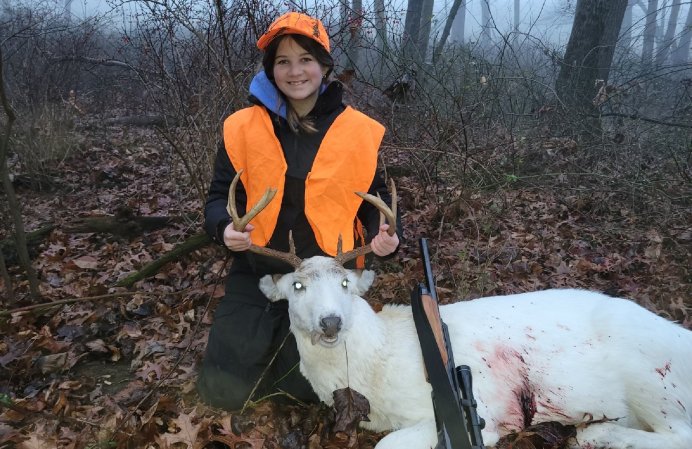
[548, 20]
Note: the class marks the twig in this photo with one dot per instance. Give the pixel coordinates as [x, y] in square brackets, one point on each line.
[642, 118]
[266, 369]
[86, 298]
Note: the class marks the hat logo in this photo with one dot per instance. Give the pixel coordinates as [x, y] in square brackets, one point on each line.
[315, 30]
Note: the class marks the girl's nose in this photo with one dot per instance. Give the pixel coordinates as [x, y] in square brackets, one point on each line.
[294, 69]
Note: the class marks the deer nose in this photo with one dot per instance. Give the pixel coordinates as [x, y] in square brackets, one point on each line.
[330, 325]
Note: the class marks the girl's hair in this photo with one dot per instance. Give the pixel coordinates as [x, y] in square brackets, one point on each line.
[295, 122]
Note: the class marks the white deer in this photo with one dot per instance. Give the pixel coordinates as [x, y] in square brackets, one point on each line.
[618, 372]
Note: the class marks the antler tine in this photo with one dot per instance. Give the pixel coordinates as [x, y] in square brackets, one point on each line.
[239, 224]
[385, 211]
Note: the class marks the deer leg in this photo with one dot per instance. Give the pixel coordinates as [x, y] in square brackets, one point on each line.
[602, 435]
[422, 435]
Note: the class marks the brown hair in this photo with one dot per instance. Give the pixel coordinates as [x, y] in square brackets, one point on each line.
[295, 122]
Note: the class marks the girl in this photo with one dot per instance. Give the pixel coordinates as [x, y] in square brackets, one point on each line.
[299, 138]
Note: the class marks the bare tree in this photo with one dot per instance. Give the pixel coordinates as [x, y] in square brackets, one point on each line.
[14, 207]
[425, 26]
[649, 32]
[517, 14]
[589, 51]
[344, 13]
[355, 30]
[486, 18]
[669, 37]
[451, 19]
[459, 23]
[682, 50]
[380, 26]
[411, 35]
[626, 28]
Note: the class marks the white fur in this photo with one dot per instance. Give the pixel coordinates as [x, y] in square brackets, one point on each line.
[575, 355]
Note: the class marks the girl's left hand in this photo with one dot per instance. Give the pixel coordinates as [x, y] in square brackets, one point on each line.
[384, 244]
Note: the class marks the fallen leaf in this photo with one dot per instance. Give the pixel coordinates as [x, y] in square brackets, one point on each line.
[37, 441]
[187, 433]
[86, 262]
[350, 409]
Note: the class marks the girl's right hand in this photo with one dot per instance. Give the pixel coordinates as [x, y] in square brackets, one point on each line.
[237, 241]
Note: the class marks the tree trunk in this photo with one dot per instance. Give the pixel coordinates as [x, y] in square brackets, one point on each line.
[380, 27]
[411, 32]
[344, 9]
[13, 204]
[459, 24]
[649, 33]
[517, 14]
[451, 19]
[609, 40]
[486, 23]
[682, 50]
[425, 26]
[351, 25]
[7, 279]
[193, 243]
[355, 30]
[589, 52]
[381, 42]
[669, 37]
[626, 28]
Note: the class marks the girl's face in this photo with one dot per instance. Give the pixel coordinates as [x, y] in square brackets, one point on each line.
[298, 75]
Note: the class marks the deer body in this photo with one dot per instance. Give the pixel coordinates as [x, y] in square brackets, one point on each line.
[570, 356]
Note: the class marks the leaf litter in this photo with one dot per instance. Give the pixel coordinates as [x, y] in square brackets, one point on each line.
[119, 372]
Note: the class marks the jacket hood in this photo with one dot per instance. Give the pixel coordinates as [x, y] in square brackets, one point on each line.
[266, 92]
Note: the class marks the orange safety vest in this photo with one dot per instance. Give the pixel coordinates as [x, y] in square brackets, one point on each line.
[345, 163]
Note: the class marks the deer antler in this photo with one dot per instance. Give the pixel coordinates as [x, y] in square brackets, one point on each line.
[385, 211]
[239, 224]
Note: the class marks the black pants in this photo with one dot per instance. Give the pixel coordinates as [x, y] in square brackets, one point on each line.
[246, 333]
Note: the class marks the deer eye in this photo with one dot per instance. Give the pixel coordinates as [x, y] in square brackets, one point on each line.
[298, 285]
[344, 283]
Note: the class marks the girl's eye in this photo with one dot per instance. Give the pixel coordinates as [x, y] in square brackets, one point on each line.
[298, 285]
[344, 283]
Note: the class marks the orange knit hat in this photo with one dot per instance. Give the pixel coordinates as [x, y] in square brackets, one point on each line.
[295, 23]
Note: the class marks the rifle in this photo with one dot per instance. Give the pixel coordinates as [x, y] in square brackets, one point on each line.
[458, 423]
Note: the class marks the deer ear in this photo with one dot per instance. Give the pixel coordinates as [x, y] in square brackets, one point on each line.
[363, 281]
[269, 286]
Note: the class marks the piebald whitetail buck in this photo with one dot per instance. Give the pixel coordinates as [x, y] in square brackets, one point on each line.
[619, 373]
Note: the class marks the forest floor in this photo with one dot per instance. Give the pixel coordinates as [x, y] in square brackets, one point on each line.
[118, 371]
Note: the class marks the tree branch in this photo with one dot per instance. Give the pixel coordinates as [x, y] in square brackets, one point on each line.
[642, 118]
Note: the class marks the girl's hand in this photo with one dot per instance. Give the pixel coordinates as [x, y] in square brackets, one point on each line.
[384, 244]
[237, 241]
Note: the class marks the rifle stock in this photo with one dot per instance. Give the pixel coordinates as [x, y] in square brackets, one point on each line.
[459, 426]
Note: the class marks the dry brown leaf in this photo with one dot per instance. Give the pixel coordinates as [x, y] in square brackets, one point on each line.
[350, 409]
[186, 434]
[38, 441]
[86, 262]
